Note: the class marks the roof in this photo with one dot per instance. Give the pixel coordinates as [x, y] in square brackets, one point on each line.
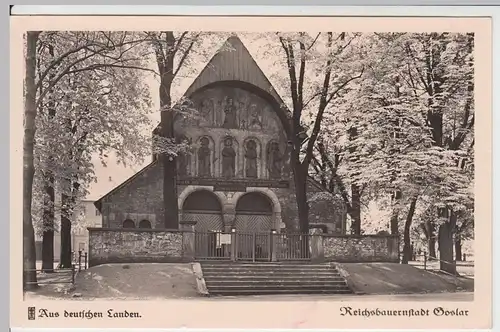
[236, 64]
[98, 202]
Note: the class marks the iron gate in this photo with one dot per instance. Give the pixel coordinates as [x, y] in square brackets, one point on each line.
[246, 246]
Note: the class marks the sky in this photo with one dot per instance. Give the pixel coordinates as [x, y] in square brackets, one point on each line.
[112, 175]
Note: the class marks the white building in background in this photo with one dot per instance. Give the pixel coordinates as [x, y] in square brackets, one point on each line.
[90, 217]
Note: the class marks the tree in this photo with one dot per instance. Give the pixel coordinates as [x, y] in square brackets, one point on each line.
[443, 70]
[330, 58]
[393, 150]
[61, 56]
[30, 111]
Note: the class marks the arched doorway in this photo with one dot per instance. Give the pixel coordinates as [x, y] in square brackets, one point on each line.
[203, 208]
[144, 224]
[127, 223]
[254, 213]
[253, 223]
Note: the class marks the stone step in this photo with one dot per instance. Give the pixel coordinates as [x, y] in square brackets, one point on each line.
[234, 292]
[274, 283]
[267, 264]
[267, 267]
[274, 277]
[207, 270]
[273, 288]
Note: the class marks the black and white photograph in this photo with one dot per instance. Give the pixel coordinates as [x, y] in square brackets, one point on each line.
[249, 166]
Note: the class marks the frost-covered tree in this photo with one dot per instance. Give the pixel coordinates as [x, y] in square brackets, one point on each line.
[412, 115]
[319, 69]
[67, 99]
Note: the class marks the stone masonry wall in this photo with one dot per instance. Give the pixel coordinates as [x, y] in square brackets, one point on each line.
[364, 248]
[138, 198]
[107, 245]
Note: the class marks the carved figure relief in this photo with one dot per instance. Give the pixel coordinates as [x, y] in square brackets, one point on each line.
[255, 118]
[207, 111]
[274, 160]
[184, 158]
[204, 169]
[251, 159]
[228, 158]
[230, 115]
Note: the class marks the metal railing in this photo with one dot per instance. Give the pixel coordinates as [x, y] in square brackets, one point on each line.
[212, 245]
[293, 246]
[253, 246]
[248, 246]
[80, 259]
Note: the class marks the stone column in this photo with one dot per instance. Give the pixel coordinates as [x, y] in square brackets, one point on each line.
[188, 245]
[228, 213]
[316, 244]
[274, 245]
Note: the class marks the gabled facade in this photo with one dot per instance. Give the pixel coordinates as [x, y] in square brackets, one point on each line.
[237, 172]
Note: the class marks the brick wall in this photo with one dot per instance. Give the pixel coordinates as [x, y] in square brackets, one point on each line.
[111, 245]
[364, 248]
[140, 197]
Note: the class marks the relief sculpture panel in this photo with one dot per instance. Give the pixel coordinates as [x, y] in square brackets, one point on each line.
[251, 142]
[231, 108]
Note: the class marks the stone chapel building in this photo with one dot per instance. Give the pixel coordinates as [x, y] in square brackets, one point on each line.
[237, 173]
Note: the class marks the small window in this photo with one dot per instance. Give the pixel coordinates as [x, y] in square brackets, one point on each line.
[81, 246]
[97, 213]
[144, 224]
[128, 224]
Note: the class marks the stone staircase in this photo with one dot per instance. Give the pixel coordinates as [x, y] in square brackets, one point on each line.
[238, 278]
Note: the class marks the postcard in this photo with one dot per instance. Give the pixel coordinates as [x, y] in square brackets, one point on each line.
[251, 172]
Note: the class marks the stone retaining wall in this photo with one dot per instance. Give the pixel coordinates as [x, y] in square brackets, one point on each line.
[361, 248]
[122, 245]
[111, 245]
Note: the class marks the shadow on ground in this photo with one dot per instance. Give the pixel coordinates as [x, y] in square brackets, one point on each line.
[161, 281]
[392, 278]
[126, 281]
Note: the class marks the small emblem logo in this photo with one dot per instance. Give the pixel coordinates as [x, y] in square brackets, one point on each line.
[31, 313]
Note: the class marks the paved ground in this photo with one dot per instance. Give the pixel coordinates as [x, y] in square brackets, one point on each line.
[155, 281]
[465, 269]
[393, 278]
[137, 280]
[453, 297]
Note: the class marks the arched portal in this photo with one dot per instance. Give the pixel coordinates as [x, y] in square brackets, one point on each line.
[204, 208]
[254, 213]
[128, 223]
[144, 224]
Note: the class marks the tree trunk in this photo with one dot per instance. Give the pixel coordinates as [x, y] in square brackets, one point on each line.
[356, 210]
[66, 260]
[431, 240]
[395, 223]
[458, 250]
[445, 239]
[300, 179]
[407, 247]
[49, 198]
[395, 213]
[170, 207]
[48, 225]
[29, 251]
